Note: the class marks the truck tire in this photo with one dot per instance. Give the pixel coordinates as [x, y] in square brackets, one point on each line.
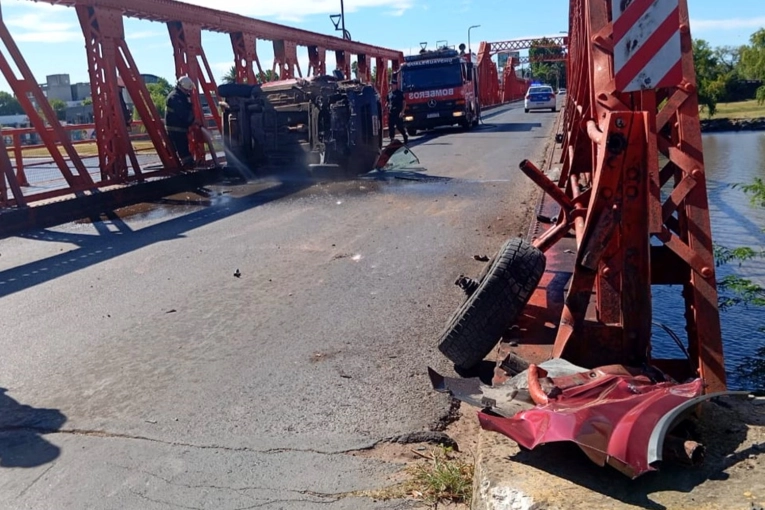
[476, 327]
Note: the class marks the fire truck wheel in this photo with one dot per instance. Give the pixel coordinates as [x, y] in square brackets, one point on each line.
[493, 306]
[411, 131]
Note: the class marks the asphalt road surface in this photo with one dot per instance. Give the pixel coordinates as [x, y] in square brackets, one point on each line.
[137, 371]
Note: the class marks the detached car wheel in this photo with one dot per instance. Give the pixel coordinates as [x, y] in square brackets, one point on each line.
[502, 292]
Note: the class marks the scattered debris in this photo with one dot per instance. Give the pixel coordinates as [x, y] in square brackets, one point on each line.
[237, 274]
[171, 311]
[481, 258]
[427, 436]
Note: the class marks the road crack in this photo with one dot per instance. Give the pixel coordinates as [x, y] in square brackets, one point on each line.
[117, 435]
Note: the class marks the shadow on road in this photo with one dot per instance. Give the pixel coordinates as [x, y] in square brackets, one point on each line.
[509, 127]
[94, 249]
[22, 444]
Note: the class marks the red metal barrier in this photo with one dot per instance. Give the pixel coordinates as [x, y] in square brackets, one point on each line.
[638, 220]
[109, 56]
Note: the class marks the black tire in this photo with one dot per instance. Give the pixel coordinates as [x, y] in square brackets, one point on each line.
[526, 110]
[479, 323]
[554, 110]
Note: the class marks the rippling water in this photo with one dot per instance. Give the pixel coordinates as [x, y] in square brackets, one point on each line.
[730, 158]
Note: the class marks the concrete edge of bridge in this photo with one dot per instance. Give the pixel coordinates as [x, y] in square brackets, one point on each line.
[500, 482]
[507, 477]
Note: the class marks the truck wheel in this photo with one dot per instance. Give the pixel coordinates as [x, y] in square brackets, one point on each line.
[479, 323]
[411, 131]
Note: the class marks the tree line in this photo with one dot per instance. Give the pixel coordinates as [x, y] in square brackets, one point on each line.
[729, 73]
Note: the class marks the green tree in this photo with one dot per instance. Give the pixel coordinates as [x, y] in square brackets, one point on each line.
[269, 75]
[158, 93]
[761, 95]
[708, 75]
[543, 69]
[737, 291]
[59, 107]
[9, 105]
[752, 57]
[230, 76]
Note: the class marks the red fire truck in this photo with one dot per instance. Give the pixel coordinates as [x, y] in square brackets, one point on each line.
[441, 89]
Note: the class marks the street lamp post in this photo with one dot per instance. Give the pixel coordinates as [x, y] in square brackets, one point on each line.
[470, 51]
[339, 21]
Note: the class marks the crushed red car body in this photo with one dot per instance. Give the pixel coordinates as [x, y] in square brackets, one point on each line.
[616, 415]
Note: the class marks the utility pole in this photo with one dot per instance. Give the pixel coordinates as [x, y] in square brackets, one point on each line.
[339, 21]
[342, 19]
[470, 51]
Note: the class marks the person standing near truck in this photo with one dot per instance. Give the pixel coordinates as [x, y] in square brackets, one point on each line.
[396, 108]
[179, 117]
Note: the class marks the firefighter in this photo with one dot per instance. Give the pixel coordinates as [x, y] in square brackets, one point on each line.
[179, 117]
[396, 108]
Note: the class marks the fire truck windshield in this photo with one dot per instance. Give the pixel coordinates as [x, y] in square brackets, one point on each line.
[422, 78]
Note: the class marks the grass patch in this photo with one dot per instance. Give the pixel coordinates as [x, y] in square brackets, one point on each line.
[85, 149]
[444, 478]
[739, 110]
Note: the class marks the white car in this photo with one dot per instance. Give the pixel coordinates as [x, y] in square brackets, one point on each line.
[540, 97]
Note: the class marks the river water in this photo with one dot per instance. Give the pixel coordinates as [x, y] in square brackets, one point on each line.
[730, 158]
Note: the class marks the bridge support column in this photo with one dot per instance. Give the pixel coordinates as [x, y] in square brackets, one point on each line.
[363, 67]
[246, 57]
[104, 41]
[188, 53]
[44, 120]
[631, 236]
[317, 65]
[285, 60]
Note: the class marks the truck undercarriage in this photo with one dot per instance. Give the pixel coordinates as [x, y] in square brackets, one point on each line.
[302, 125]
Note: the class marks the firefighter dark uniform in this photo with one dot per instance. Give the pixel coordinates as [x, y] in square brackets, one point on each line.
[396, 104]
[179, 117]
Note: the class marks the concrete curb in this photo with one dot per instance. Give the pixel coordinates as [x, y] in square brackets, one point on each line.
[560, 477]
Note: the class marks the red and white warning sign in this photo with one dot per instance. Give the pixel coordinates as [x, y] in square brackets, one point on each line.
[647, 53]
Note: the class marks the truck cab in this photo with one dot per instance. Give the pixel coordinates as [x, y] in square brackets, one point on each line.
[441, 89]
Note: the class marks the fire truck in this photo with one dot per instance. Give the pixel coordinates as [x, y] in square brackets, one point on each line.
[441, 89]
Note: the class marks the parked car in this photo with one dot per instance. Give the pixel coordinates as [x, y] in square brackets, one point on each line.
[562, 92]
[540, 97]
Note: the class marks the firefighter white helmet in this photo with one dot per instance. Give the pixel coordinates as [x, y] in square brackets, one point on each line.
[185, 83]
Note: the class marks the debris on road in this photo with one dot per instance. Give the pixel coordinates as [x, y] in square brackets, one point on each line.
[481, 258]
[237, 274]
[621, 416]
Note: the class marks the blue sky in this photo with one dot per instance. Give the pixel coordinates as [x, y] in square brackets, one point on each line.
[51, 41]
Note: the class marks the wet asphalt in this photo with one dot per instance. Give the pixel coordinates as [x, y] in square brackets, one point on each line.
[227, 351]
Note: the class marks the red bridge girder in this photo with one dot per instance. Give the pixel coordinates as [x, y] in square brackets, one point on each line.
[633, 191]
[524, 44]
[108, 57]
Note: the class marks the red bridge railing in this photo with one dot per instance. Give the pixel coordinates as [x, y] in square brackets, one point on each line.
[635, 189]
[108, 56]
